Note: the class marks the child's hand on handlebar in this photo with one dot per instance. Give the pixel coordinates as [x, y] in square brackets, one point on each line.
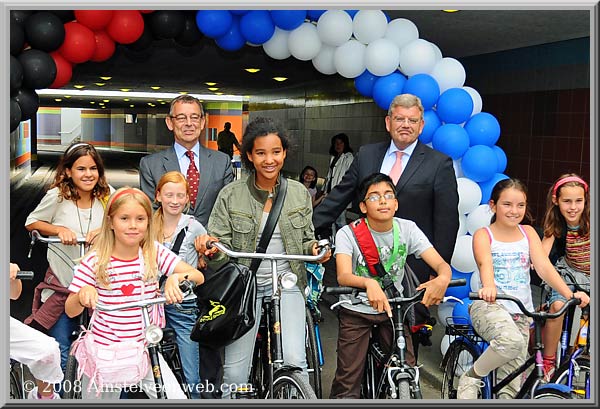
[200, 244]
[585, 299]
[377, 297]
[88, 296]
[66, 236]
[173, 293]
[14, 269]
[316, 250]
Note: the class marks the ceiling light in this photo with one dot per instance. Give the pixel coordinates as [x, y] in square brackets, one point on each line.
[58, 99]
[162, 102]
[106, 100]
[450, 11]
[126, 99]
[58, 93]
[79, 86]
[213, 89]
[151, 104]
[155, 87]
[105, 78]
[92, 102]
[252, 70]
[131, 105]
[125, 89]
[210, 84]
[67, 96]
[279, 79]
[218, 93]
[100, 84]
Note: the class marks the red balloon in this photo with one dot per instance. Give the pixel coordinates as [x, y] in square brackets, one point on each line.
[79, 44]
[94, 19]
[126, 26]
[146, 11]
[105, 47]
[64, 70]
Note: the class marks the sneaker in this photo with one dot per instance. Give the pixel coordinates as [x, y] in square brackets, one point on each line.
[468, 388]
[33, 394]
[548, 369]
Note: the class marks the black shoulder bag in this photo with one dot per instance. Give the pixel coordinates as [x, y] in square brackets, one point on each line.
[228, 296]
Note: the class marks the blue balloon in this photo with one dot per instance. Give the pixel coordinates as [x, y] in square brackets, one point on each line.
[314, 15]
[214, 23]
[462, 291]
[257, 26]
[432, 123]
[288, 19]
[352, 13]
[479, 163]
[425, 87]
[239, 12]
[501, 156]
[364, 83]
[454, 106]
[483, 129]
[460, 313]
[487, 186]
[386, 88]
[452, 140]
[233, 39]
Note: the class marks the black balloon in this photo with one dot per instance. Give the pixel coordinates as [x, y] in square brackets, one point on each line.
[166, 23]
[15, 114]
[39, 69]
[190, 35]
[19, 16]
[64, 15]
[29, 101]
[16, 75]
[17, 38]
[44, 31]
[144, 42]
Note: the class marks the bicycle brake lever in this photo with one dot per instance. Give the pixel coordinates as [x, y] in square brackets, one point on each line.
[452, 298]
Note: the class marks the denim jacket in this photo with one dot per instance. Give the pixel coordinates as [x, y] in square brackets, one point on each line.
[236, 216]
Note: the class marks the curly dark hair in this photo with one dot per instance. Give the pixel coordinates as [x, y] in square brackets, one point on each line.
[261, 126]
[342, 137]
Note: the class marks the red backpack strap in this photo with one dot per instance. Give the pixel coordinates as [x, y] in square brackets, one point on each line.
[366, 244]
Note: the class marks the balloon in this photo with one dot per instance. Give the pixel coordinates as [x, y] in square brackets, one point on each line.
[288, 19]
[454, 106]
[304, 42]
[460, 314]
[417, 57]
[64, 15]
[233, 39]
[386, 88]
[462, 258]
[190, 35]
[488, 185]
[94, 19]
[28, 102]
[16, 75]
[166, 23]
[465, 358]
[444, 312]
[369, 25]
[382, 57]
[17, 38]
[257, 26]
[452, 140]
[501, 156]
[483, 129]
[351, 13]
[64, 70]
[477, 102]
[401, 31]
[449, 73]
[44, 31]
[39, 69]
[445, 343]
[462, 224]
[438, 52]
[238, 12]
[214, 23]
[364, 83]
[461, 291]
[479, 163]
[105, 47]
[478, 218]
[349, 59]
[143, 42]
[79, 44]
[334, 27]
[475, 281]
[126, 26]
[314, 15]
[19, 16]
[432, 123]
[469, 195]
[425, 87]
[277, 46]
[323, 62]
[15, 114]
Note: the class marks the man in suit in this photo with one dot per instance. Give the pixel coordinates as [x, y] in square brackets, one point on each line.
[186, 120]
[426, 189]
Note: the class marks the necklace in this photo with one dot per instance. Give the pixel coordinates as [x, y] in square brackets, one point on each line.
[79, 218]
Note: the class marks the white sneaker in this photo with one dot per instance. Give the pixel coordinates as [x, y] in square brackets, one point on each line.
[33, 394]
[468, 388]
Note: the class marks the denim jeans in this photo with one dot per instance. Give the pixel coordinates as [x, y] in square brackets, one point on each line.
[238, 354]
[181, 318]
[61, 332]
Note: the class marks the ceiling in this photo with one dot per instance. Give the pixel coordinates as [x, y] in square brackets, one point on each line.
[177, 68]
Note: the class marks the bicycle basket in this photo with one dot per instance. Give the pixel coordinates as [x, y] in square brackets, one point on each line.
[314, 279]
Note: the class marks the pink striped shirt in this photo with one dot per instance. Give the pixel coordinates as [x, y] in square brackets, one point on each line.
[125, 277]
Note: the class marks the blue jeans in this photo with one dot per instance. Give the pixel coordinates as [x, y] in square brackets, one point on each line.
[181, 318]
[61, 331]
[238, 354]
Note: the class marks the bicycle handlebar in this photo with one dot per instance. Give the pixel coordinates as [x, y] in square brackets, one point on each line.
[36, 236]
[25, 275]
[188, 285]
[323, 244]
[535, 315]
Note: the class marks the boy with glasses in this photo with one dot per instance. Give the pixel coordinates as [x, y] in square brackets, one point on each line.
[395, 239]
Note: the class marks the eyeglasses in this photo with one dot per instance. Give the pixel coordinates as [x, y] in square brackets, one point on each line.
[412, 121]
[182, 118]
[375, 197]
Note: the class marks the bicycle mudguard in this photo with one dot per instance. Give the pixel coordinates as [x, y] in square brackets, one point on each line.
[557, 386]
[286, 368]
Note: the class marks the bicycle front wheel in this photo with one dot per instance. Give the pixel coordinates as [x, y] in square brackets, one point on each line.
[71, 385]
[15, 386]
[291, 385]
[544, 392]
[312, 355]
[581, 369]
[461, 356]
[404, 389]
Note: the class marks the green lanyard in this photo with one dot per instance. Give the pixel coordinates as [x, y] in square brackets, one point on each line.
[394, 255]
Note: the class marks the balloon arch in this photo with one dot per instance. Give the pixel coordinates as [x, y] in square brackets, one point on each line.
[384, 57]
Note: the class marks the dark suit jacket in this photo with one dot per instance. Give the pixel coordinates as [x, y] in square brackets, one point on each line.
[215, 172]
[426, 191]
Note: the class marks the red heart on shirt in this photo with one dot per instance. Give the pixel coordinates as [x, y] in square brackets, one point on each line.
[127, 289]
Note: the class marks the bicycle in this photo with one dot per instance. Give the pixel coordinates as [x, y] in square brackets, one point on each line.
[388, 375]
[270, 378]
[468, 346]
[314, 348]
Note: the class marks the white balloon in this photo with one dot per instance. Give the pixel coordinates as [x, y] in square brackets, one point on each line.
[401, 31]
[449, 73]
[477, 101]
[334, 27]
[277, 46]
[457, 163]
[462, 224]
[417, 57]
[323, 62]
[462, 258]
[469, 195]
[349, 59]
[438, 52]
[475, 281]
[479, 217]
[445, 343]
[304, 42]
[382, 57]
[465, 361]
[369, 25]
[444, 311]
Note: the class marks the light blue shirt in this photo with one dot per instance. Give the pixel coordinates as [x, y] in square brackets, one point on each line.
[390, 157]
[184, 161]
